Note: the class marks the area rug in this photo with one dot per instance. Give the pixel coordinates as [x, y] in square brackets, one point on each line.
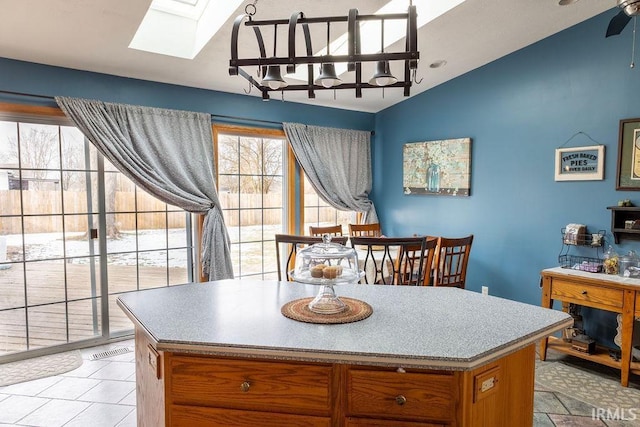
[39, 367]
[586, 386]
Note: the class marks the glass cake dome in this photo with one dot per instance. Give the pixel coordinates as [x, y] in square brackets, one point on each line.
[326, 264]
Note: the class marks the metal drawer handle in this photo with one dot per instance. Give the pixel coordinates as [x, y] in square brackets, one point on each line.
[401, 400]
[584, 292]
[245, 386]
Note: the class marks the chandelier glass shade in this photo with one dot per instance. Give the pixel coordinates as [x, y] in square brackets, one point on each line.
[328, 77]
[382, 76]
[273, 78]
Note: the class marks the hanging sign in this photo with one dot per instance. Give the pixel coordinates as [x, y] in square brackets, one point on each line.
[580, 163]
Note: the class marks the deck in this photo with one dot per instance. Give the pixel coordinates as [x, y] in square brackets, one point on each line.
[58, 315]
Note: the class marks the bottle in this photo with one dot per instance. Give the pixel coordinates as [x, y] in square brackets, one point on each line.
[433, 178]
[610, 263]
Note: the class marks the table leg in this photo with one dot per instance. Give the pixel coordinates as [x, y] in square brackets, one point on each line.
[547, 303]
[627, 336]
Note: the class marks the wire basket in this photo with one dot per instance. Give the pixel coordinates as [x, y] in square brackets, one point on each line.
[582, 263]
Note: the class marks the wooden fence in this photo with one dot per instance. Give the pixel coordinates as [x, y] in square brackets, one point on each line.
[240, 209]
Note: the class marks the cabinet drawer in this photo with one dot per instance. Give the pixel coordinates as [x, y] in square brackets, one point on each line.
[190, 416]
[241, 384]
[363, 422]
[594, 296]
[637, 303]
[418, 396]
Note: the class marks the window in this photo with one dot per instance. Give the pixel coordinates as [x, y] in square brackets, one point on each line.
[74, 233]
[317, 212]
[252, 187]
[257, 178]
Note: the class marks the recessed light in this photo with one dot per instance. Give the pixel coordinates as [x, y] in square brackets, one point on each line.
[437, 64]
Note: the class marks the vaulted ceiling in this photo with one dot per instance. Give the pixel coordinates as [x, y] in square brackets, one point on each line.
[94, 35]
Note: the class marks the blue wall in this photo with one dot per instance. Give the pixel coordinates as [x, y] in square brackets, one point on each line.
[25, 77]
[517, 110]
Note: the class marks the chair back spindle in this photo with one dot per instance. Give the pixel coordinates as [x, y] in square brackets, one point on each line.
[392, 261]
[452, 258]
[365, 230]
[332, 230]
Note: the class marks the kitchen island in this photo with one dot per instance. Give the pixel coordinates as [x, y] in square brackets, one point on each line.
[222, 354]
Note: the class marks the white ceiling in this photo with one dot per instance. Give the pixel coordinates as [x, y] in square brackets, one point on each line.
[94, 35]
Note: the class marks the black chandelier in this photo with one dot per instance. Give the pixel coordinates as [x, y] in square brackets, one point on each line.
[268, 67]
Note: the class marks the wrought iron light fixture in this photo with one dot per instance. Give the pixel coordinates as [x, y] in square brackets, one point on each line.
[268, 68]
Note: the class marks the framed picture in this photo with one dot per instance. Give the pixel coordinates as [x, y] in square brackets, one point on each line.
[437, 167]
[580, 163]
[628, 173]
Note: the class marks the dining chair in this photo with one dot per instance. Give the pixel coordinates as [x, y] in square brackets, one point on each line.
[332, 230]
[451, 259]
[365, 230]
[429, 255]
[392, 260]
[290, 244]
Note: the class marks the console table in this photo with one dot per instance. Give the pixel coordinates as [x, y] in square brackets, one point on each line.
[605, 292]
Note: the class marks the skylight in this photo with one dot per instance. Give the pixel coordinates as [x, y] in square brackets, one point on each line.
[181, 28]
[394, 30]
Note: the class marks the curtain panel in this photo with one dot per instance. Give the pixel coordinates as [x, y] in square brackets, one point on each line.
[337, 162]
[167, 153]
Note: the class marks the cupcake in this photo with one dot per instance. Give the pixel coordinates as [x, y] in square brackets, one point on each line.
[316, 270]
[332, 271]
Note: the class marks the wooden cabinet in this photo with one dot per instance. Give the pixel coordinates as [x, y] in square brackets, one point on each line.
[400, 395]
[248, 384]
[619, 216]
[191, 416]
[581, 293]
[364, 422]
[605, 292]
[184, 390]
[238, 392]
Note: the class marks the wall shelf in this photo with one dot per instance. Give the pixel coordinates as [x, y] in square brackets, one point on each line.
[619, 216]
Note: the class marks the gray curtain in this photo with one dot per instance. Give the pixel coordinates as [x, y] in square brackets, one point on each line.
[167, 153]
[338, 164]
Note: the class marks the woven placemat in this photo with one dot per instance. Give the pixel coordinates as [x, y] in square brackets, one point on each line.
[299, 310]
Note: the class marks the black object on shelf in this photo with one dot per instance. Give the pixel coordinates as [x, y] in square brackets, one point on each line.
[625, 222]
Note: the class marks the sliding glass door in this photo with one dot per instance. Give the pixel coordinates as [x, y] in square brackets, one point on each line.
[75, 233]
[49, 257]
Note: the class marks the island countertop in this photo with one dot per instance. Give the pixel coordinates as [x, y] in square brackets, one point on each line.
[421, 327]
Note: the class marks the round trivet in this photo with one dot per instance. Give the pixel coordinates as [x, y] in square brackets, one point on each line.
[299, 310]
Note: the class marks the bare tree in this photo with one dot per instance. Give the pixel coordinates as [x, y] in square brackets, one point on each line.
[257, 161]
[38, 150]
[73, 160]
[110, 188]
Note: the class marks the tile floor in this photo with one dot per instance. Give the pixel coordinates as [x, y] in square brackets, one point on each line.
[553, 409]
[101, 393]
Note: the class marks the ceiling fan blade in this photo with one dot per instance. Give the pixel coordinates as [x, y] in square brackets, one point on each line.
[617, 24]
